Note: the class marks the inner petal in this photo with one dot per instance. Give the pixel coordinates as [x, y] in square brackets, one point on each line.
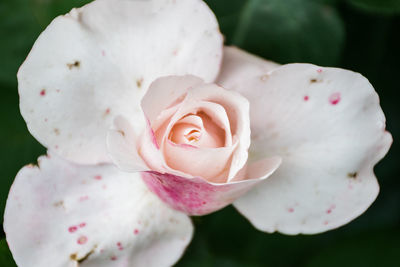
[197, 130]
[185, 133]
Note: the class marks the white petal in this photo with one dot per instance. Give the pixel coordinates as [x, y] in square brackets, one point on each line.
[97, 62]
[239, 65]
[60, 214]
[329, 129]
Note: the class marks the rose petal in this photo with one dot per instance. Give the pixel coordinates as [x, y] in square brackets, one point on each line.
[129, 152]
[122, 144]
[237, 108]
[97, 61]
[219, 103]
[210, 163]
[327, 126]
[215, 123]
[166, 92]
[196, 196]
[63, 214]
[238, 65]
[192, 159]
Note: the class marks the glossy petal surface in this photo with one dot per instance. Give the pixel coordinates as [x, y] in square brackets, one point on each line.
[61, 214]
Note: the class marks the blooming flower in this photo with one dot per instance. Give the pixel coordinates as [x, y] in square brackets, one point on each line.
[145, 124]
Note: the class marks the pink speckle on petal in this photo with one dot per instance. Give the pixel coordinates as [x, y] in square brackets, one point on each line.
[82, 225]
[98, 177]
[319, 70]
[290, 210]
[83, 198]
[43, 92]
[103, 53]
[136, 231]
[326, 222]
[331, 208]
[72, 229]
[335, 98]
[119, 245]
[306, 98]
[82, 240]
[113, 258]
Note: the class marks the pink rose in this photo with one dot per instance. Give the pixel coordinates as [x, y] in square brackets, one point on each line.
[145, 124]
[193, 152]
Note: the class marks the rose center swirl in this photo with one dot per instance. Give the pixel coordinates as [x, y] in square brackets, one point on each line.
[197, 130]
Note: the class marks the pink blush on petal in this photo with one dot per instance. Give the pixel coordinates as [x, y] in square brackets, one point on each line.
[152, 134]
[194, 196]
[184, 194]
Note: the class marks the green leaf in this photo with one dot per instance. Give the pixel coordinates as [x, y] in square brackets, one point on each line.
[6, 259]
[377, 6]
[19, 30]
[377, 248]
[46, 10]
[21, 23]
[18, 147]
[285, 31]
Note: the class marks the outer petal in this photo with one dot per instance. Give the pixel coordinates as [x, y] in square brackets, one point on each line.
[328, 127]
[238, 65]
[196, 196]
[122, 144]
[165, 93]
[61, 214]
[96, 61]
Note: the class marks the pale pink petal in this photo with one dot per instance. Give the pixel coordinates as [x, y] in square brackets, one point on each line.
[215, 123]
[123, 146]
[97, 62]
[211, 164]
[61, 214]
[166, 92]
[239, 65]
[196, 196]
[237, 110]
[211, 109]
[329, 129]
[133, 153]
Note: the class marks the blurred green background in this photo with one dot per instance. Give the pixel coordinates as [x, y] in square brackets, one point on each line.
[361, 35]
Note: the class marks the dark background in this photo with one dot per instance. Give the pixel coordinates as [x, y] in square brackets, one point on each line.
[360, 35]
